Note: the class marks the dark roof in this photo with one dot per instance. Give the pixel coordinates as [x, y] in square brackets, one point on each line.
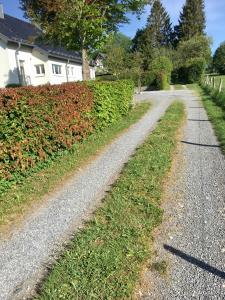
[17, 30]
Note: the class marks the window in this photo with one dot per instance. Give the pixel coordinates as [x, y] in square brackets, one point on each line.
[40, 69]
[72, 68]
[56, 69]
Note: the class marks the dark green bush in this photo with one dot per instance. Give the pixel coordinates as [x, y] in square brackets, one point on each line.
[195, 70]
[191, 72]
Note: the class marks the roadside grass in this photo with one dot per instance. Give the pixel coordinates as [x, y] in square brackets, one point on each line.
[215, 113]
[104, 260]
[17, 200]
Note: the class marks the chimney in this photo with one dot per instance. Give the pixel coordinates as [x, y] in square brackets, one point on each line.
[1, 11]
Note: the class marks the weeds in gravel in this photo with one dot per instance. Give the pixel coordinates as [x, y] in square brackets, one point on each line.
[16, 201]
[215, 113]
[104, 259]
[160, 267]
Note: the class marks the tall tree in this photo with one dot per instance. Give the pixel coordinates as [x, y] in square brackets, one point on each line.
[159, 28]
[80, 24]
[192, 20]
[156, 36]
[219, 59]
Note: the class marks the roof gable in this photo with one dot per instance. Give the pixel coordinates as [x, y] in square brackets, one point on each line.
[20, 31]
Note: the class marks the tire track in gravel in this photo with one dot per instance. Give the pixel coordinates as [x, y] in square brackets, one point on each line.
[191, 239]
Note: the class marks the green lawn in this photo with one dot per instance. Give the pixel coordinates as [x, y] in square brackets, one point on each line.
[19, 197]
[104, 260]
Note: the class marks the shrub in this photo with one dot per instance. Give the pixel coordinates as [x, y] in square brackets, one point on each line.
[112, 100]
[162, 67]
[37, 123]
[191, 72]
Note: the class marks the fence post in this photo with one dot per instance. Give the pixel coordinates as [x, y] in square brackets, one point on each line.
[221, 85]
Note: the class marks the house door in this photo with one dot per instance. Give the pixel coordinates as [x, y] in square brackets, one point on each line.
[22, 73]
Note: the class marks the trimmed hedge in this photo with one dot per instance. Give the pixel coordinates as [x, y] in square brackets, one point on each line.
[112, 100]
[37, 123]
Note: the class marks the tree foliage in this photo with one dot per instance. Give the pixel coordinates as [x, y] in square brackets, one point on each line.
[80, 24]
[159, 27]
[191, 58]
[192, 20]
[219, 59]
[155, 38]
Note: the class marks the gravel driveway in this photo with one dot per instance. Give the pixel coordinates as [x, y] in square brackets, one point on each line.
[25, 255]
[191, 239]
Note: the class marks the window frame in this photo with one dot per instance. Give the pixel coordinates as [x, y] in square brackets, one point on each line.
[41, 68]
[56, 69]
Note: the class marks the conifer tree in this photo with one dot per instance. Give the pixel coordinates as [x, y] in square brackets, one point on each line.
[159, 29]
[192, 20]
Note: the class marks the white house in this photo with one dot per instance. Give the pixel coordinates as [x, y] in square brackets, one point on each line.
[25, 61]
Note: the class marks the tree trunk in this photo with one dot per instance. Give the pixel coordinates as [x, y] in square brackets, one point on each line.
[86, 67]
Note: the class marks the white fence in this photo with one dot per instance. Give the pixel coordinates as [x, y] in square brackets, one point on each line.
[211, 80]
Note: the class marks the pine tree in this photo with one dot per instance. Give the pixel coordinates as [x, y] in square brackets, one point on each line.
[192, 20]
[159, 29]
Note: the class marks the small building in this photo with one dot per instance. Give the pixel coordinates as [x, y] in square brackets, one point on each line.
[25, 60]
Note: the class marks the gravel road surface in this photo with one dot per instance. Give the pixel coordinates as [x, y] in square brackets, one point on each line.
[26, 253]
[191, 239]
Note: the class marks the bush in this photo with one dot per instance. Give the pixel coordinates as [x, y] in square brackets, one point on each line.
[162, 67]
[112, 100]
[195, 70]
[191, 72]
[37, 123]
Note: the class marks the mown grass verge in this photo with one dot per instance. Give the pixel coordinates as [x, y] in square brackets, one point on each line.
[104, 259]
[215, 113]
[15, 201]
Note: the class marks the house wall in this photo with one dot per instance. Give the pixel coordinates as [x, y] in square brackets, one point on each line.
[92, 73]
[5, 73]
[9, 60]
[59, 78]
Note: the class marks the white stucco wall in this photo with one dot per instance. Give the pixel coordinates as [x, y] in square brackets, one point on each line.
[4, 64]
[60, 78]
[92, 73]
[30, 58]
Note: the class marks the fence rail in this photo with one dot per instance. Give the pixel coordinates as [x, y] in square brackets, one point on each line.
[211, 81]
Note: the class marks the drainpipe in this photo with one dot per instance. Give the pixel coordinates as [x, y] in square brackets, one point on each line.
[67, 77]
[17, 62]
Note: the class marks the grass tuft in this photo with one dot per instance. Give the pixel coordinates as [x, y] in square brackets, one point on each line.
[104, 259]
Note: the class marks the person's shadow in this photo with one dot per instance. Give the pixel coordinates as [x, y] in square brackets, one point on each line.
[199, 263]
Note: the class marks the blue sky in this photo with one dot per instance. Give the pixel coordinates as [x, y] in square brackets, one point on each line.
[215, 13]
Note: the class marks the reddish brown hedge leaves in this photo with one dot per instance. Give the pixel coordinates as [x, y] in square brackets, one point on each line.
[37, 122]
